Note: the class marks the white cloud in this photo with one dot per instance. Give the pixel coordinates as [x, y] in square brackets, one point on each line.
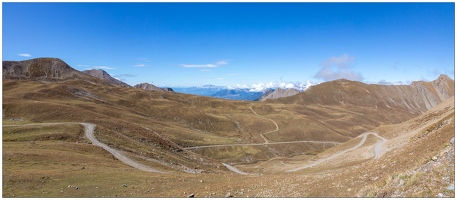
[342, 61]
[140, 65]
[222, 62]
[197, 66]
[338, 68]
[217, 64]
[24, 55]
[126, 75]
[82, 65]
[103, 67]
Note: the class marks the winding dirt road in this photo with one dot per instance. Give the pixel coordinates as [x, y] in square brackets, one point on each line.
[89, 132]
[259, 144]
[266, 141]
[90, 135]
[261, 134]
[376, 150]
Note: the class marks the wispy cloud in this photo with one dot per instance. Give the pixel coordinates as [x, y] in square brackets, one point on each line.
[139, 65]
[126, 75]
[217, 64]
[82, 65]
[337, 68]
[205, 70]
[384, 82]
[24, 55]
[144, 59]
[103, 67]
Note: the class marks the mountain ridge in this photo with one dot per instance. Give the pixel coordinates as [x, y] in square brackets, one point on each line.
[425, 95]
[279, 93]
[39, 68]
[99, 73]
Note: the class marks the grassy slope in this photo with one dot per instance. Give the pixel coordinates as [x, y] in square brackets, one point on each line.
[159, 117]
[154, 125]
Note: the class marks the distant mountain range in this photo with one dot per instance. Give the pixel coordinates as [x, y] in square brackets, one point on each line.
[255, 92]
[222, 92]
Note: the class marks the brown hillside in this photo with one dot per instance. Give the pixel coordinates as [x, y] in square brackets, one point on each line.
[99, 73]
[416, 98]
[280, 93]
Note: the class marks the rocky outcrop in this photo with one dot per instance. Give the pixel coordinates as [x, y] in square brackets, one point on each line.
[280, 93]
[151, 87]
[39, 68]
[147, 86]
[167, 89]
[52, 69]
[104, 75]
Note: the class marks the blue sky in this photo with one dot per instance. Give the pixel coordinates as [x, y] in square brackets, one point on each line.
[171, 44]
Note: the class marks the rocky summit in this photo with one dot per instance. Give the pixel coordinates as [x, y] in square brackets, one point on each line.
[39, 68]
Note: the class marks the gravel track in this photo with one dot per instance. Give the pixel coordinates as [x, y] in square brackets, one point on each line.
[89, 132]
[377, 151]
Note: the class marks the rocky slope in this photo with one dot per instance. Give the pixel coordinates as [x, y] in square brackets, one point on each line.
[151, 87]
[416, 98]
[39, 68]
[279, 93]
[54, 69]
[104, 75]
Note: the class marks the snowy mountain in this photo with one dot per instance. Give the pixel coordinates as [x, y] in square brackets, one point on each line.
[242, 92]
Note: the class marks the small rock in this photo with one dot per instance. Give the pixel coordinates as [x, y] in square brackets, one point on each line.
[69, 186]
[451, 187]
[201, 181]
[124, 185]
[76, 188]
[191, 196]
[349, 189]
[228, 195]
[434, 158]
[452, 140]
[440, 195]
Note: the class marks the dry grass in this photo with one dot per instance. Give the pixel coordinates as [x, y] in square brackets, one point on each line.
[156, 125]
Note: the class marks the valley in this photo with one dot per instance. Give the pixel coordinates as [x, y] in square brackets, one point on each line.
[70, 134]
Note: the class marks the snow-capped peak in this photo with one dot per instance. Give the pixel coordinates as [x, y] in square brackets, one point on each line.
[259, 87]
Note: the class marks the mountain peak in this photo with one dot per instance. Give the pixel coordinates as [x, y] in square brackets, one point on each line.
[38, 68]
[99, 73]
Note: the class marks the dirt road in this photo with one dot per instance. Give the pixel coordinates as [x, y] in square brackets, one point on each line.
[89, 132]
[90, 135]
[261, 134]
[234, 169]
[377, 151]
[266, 141]
[259, 144]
